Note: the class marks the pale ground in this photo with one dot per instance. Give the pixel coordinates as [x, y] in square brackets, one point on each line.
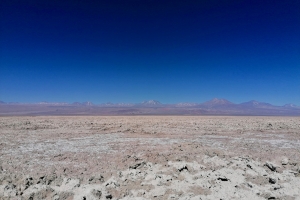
[150, 157]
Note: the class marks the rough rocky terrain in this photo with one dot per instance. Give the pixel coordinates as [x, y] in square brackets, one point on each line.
[149, 157]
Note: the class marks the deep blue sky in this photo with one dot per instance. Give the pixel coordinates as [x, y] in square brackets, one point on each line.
[134, 50]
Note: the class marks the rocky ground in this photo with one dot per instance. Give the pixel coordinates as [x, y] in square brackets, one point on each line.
[150, 157]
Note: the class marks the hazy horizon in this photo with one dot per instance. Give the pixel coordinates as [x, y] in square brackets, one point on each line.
[145, 101]
[132, 51]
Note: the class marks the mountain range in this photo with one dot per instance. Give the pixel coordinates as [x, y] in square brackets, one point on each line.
[214, 106]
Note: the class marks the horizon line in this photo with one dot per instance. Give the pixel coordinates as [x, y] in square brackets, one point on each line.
[145, 101]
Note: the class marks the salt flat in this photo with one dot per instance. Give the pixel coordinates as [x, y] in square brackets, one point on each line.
[147, 157]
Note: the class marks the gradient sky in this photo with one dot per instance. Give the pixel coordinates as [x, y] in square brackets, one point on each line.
[135, 50]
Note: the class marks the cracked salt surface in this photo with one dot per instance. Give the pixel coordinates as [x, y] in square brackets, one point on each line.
[96, 143]
[170, 181]
[273, 140]
[159, 157]
[92, 144]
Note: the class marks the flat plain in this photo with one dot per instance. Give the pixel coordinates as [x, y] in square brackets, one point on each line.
[149, 157]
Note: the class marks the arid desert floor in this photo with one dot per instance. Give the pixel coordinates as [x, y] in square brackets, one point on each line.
[149, 157]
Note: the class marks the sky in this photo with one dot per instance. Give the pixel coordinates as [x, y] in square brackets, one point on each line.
[136, 50]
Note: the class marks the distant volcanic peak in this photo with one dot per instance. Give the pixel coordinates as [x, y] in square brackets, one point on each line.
[252, 103]
[108, 104]
[124, 104]
[43, 102]
[290, 105]
[52, 103]
[217, 101]
[256, 103]
[77, 104]
[151, 102]
[88, 103]
[186, 104]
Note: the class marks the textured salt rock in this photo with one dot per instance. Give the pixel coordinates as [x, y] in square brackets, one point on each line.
[271, 166]
[284, 161]
[188, 158]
